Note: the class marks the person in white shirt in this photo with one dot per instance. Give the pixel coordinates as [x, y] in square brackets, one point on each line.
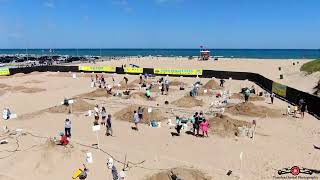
[136, 120]
[67, 127]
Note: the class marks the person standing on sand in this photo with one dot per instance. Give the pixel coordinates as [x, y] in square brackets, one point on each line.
[136, 120]
[103, 116]
[166, 82]
[204, 127]
[67, 128]
[140, 82]
[246, 95]
[109, 126]
[162, 88]
[302, 106]
[195, 123]
[126, 80]
[272, 97]
[140, 113]
[222, 82]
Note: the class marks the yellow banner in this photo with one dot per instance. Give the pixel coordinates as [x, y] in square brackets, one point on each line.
[97, 68]
[279, 89]
[4, 71]
[177, 71]
[133, 70]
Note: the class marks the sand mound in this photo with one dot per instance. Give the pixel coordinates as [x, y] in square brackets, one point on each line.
[249, 109]
[252, 97]
[78, 106]
[176, 83]
[225, 126]
[183, 173]
[2, 92]
[20, 89]
[211, 84]
[126, 114]
[132, 85]
[188, 102]
[139, 95]
[94, 94]
[24, 89]
[33, 82]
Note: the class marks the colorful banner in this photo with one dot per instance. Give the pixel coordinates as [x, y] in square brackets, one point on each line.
[133, 70]
[279, 89]
[178, 71]
[97, 68]
[4, 71]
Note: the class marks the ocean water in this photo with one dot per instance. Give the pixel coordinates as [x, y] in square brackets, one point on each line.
[236, 53]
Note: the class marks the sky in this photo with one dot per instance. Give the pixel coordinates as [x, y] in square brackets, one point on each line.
[257, 24]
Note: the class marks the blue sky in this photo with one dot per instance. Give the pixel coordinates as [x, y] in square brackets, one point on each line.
[159, 23]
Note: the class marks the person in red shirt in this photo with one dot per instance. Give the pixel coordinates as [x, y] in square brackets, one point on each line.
[64, 140]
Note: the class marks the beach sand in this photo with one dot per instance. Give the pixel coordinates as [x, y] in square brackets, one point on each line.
[266, 67]
[280, 141]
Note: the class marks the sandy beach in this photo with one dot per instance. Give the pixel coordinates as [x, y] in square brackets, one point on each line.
[293, 77]
[280, 141]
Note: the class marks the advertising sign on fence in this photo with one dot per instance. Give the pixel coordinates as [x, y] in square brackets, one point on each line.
[178, 71]
[4, 71]
[279, 89]
[97, 68]
[133, 70]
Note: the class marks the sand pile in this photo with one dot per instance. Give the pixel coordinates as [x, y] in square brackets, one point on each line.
[183, 173]
[139, 95]
[225, 126]
[249, 109]
[22, 89]
[211, 84]
[33, 82]
[132, 85]
[126, 114]
[176, 83]
[188, 102]
[79, 105]
[252, 97]
[100, 92]
[4, 86]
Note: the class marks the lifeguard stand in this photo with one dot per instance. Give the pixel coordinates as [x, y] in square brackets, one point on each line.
[204, 55]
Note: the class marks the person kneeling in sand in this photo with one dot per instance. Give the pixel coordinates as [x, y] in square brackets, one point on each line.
[148, 94]
[64, 140]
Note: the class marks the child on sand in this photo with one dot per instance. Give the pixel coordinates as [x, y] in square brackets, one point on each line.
[64, 140]
[272, 97]
[204, 127]
[136, 120]
[103, 116]
[109, 126]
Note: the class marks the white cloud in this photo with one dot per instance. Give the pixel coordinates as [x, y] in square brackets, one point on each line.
[49, 4]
